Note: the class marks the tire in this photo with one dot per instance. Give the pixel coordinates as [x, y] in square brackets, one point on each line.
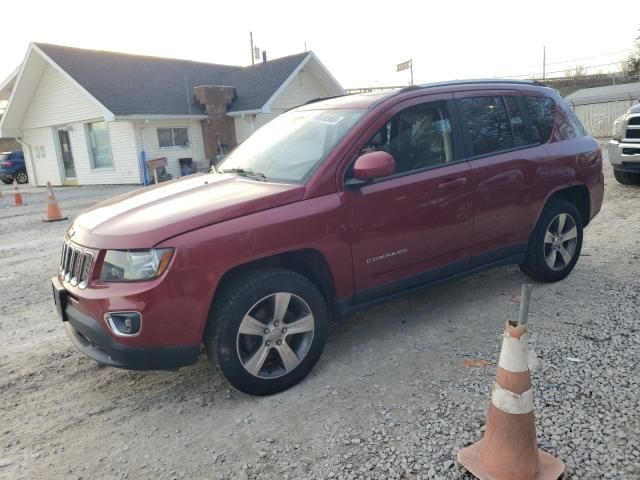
[545, 239]
[257, 293]
[21, 177]
[7, 181]
[627, 178]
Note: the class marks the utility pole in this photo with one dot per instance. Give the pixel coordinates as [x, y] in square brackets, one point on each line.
[544, 62]
[252, 54]
[305, 46]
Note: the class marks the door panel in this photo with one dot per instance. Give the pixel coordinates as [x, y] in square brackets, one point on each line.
[503, 188]
[502, 172]
[408, 225]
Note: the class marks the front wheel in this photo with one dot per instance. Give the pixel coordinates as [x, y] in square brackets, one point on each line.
[555, 244]
[267, 330]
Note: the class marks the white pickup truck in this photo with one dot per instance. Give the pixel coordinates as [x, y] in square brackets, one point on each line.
[624, 147]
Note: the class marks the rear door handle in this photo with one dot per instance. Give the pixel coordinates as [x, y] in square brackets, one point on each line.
[453, 183]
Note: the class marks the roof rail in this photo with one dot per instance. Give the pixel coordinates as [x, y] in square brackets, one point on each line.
[479, 81]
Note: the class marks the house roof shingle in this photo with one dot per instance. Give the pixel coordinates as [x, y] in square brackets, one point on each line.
[141, 85]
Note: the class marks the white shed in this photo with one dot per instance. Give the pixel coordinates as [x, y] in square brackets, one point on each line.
[598, 107]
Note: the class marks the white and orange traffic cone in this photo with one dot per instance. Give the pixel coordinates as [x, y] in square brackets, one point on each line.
[509, 448]
[53, 213]
[17, 196]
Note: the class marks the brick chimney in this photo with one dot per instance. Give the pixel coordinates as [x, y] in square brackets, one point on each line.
[216, 99]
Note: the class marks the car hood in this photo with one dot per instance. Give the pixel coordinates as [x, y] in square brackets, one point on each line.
[145, 217]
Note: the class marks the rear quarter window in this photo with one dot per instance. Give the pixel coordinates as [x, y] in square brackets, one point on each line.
[567, 123]
[542, 112]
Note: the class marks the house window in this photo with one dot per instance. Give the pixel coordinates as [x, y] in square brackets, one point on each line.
[173, 137]
[98, 134]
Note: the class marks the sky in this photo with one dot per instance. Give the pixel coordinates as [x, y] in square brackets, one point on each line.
[359, 42]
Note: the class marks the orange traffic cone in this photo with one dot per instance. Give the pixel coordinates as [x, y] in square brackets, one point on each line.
[509, 448]
[53, 210]
[17, 196]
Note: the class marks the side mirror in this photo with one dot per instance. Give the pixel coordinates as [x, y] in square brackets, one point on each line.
[372, 165]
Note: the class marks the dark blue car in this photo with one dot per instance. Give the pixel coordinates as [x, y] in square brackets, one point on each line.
[12, 166]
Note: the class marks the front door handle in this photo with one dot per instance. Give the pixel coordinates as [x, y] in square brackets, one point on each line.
[453, 183]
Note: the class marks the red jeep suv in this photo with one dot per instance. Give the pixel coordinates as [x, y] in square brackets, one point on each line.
[331, 207]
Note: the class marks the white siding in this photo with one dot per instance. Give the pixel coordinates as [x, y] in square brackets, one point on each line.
[123, 151]
[57, 101]
[195, 150]
[46, 168]
[125, 168]
[303, 87]
[244, 128]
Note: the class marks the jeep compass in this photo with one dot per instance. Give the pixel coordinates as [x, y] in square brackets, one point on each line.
[329, 208]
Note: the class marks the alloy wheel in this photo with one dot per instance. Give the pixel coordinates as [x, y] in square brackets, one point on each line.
[275, 335]
[21, 177]
[560, 241]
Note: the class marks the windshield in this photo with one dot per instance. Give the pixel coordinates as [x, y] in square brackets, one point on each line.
[289, 147]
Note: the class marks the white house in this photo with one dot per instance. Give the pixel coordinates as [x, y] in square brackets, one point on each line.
[91, 117]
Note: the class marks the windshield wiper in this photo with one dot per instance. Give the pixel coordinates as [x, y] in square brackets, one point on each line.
[245, 172]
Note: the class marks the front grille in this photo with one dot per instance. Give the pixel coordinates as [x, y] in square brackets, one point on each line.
[634, 121]
[633, 133]
[75, 265]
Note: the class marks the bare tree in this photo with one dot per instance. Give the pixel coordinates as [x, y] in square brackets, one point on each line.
[577, 72]
[631, 66]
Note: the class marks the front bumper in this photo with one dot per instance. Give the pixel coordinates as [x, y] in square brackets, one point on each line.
[624, 157]
[91, 338]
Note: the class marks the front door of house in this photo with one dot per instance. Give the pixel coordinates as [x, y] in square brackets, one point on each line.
[66, 153]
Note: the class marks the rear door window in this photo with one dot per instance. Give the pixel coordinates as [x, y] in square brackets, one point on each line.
[541, 111]
[517, 122]
[488, 124]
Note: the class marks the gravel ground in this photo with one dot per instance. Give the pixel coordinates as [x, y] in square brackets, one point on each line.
[390, 398]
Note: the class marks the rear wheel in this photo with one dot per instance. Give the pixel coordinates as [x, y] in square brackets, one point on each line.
[555, 244]
[267, 330]
[627, 178]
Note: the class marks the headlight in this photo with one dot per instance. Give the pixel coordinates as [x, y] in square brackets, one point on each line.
[131, 265]
[617, 127]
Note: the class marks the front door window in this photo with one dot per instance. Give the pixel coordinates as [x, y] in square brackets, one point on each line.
[67, 154]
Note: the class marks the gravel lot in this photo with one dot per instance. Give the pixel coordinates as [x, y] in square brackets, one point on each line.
[390, 398]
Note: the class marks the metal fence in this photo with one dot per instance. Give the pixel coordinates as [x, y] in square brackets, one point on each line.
[598, 118]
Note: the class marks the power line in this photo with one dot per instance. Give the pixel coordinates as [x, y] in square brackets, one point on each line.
[537, 74]
[586, 58]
